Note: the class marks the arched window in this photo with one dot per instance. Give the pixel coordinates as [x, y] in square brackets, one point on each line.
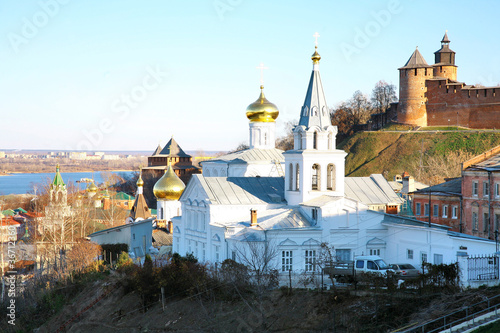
[315, 140]
[161, 214]
[316, 177]
[300, 141]
[207, 173]
[330, 178]
[297, 177]
[290, 177]
[215, 173]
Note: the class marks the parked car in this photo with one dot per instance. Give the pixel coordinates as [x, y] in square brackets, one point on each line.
[405, 271]
[346, 272]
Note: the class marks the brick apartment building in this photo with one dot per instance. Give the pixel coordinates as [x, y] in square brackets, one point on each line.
[469, 204]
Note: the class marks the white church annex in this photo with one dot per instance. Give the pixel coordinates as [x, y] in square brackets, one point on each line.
[239, 204]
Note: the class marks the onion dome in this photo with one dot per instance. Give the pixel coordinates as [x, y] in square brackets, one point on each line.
[169, 186]
[316, 57]
[262, 110]
[92, 188]
[140, 182]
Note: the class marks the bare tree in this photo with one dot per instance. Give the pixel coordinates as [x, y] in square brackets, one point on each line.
[286, 142]
[258, 256]
[383, 95]
[360, 107]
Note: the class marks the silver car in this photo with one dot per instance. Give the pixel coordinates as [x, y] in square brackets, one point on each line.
[405, 271]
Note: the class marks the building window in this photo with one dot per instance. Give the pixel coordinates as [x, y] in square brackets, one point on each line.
[330, 177]
[475, 222]
[426, 209]
[297, 177]
[310, 260]
[486, 189]
[314, 213]
[445, 211]
[475, 187]
[375, 252]
[316, 177]
[409, 254]
[343, 255]
[497, 189]
[418, 208]
[290, 177]
[435, 210]
[217, 253]
[486, 222]
[454, 212]
[315, 140]
[286, 261]
[423, 257]
[438, 259]
[497, 221]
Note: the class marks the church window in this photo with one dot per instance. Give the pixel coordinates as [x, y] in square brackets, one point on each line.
[161, 213]
[297, 177]
[415, 72]
[215, 173]
[202, 221]
[290, 177]
[286, 261]
[330, 181]
[314, 111]
[204, 252]
[310, 260]
[485, 92]
[207, 173]
[316, 177]
[315, 140]
[425, 71]
[217, 253]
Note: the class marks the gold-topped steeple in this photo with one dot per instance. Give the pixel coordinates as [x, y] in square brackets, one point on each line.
[316, 57]
[140, 182]
[262, 110]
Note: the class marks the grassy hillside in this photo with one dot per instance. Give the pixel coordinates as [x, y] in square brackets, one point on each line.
[392, 153]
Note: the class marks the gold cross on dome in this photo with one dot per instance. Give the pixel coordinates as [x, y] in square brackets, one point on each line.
[261, 67]
[316, 35]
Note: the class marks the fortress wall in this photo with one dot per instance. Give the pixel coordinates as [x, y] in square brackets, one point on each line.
[449, 104]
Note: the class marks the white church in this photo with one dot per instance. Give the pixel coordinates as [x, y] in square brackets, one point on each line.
[291, 202]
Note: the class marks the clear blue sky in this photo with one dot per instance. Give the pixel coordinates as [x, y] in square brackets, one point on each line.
[68, 67]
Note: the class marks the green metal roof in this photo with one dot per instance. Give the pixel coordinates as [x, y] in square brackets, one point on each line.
[123, 196]
[57, 178]
[8, 212]
[20, 210]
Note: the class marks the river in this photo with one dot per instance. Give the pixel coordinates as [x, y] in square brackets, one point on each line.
[21, 183]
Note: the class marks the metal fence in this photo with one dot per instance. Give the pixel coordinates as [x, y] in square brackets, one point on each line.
[483, 268]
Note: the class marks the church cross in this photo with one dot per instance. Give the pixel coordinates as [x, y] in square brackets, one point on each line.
[261, 67]
[316, 35]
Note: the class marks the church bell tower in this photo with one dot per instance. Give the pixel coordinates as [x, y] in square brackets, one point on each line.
[314, 167]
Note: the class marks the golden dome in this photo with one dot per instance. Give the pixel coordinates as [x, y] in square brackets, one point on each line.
[92, 187]
[169, 186]
[140, 182]
[262, 110]
[315, 57]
